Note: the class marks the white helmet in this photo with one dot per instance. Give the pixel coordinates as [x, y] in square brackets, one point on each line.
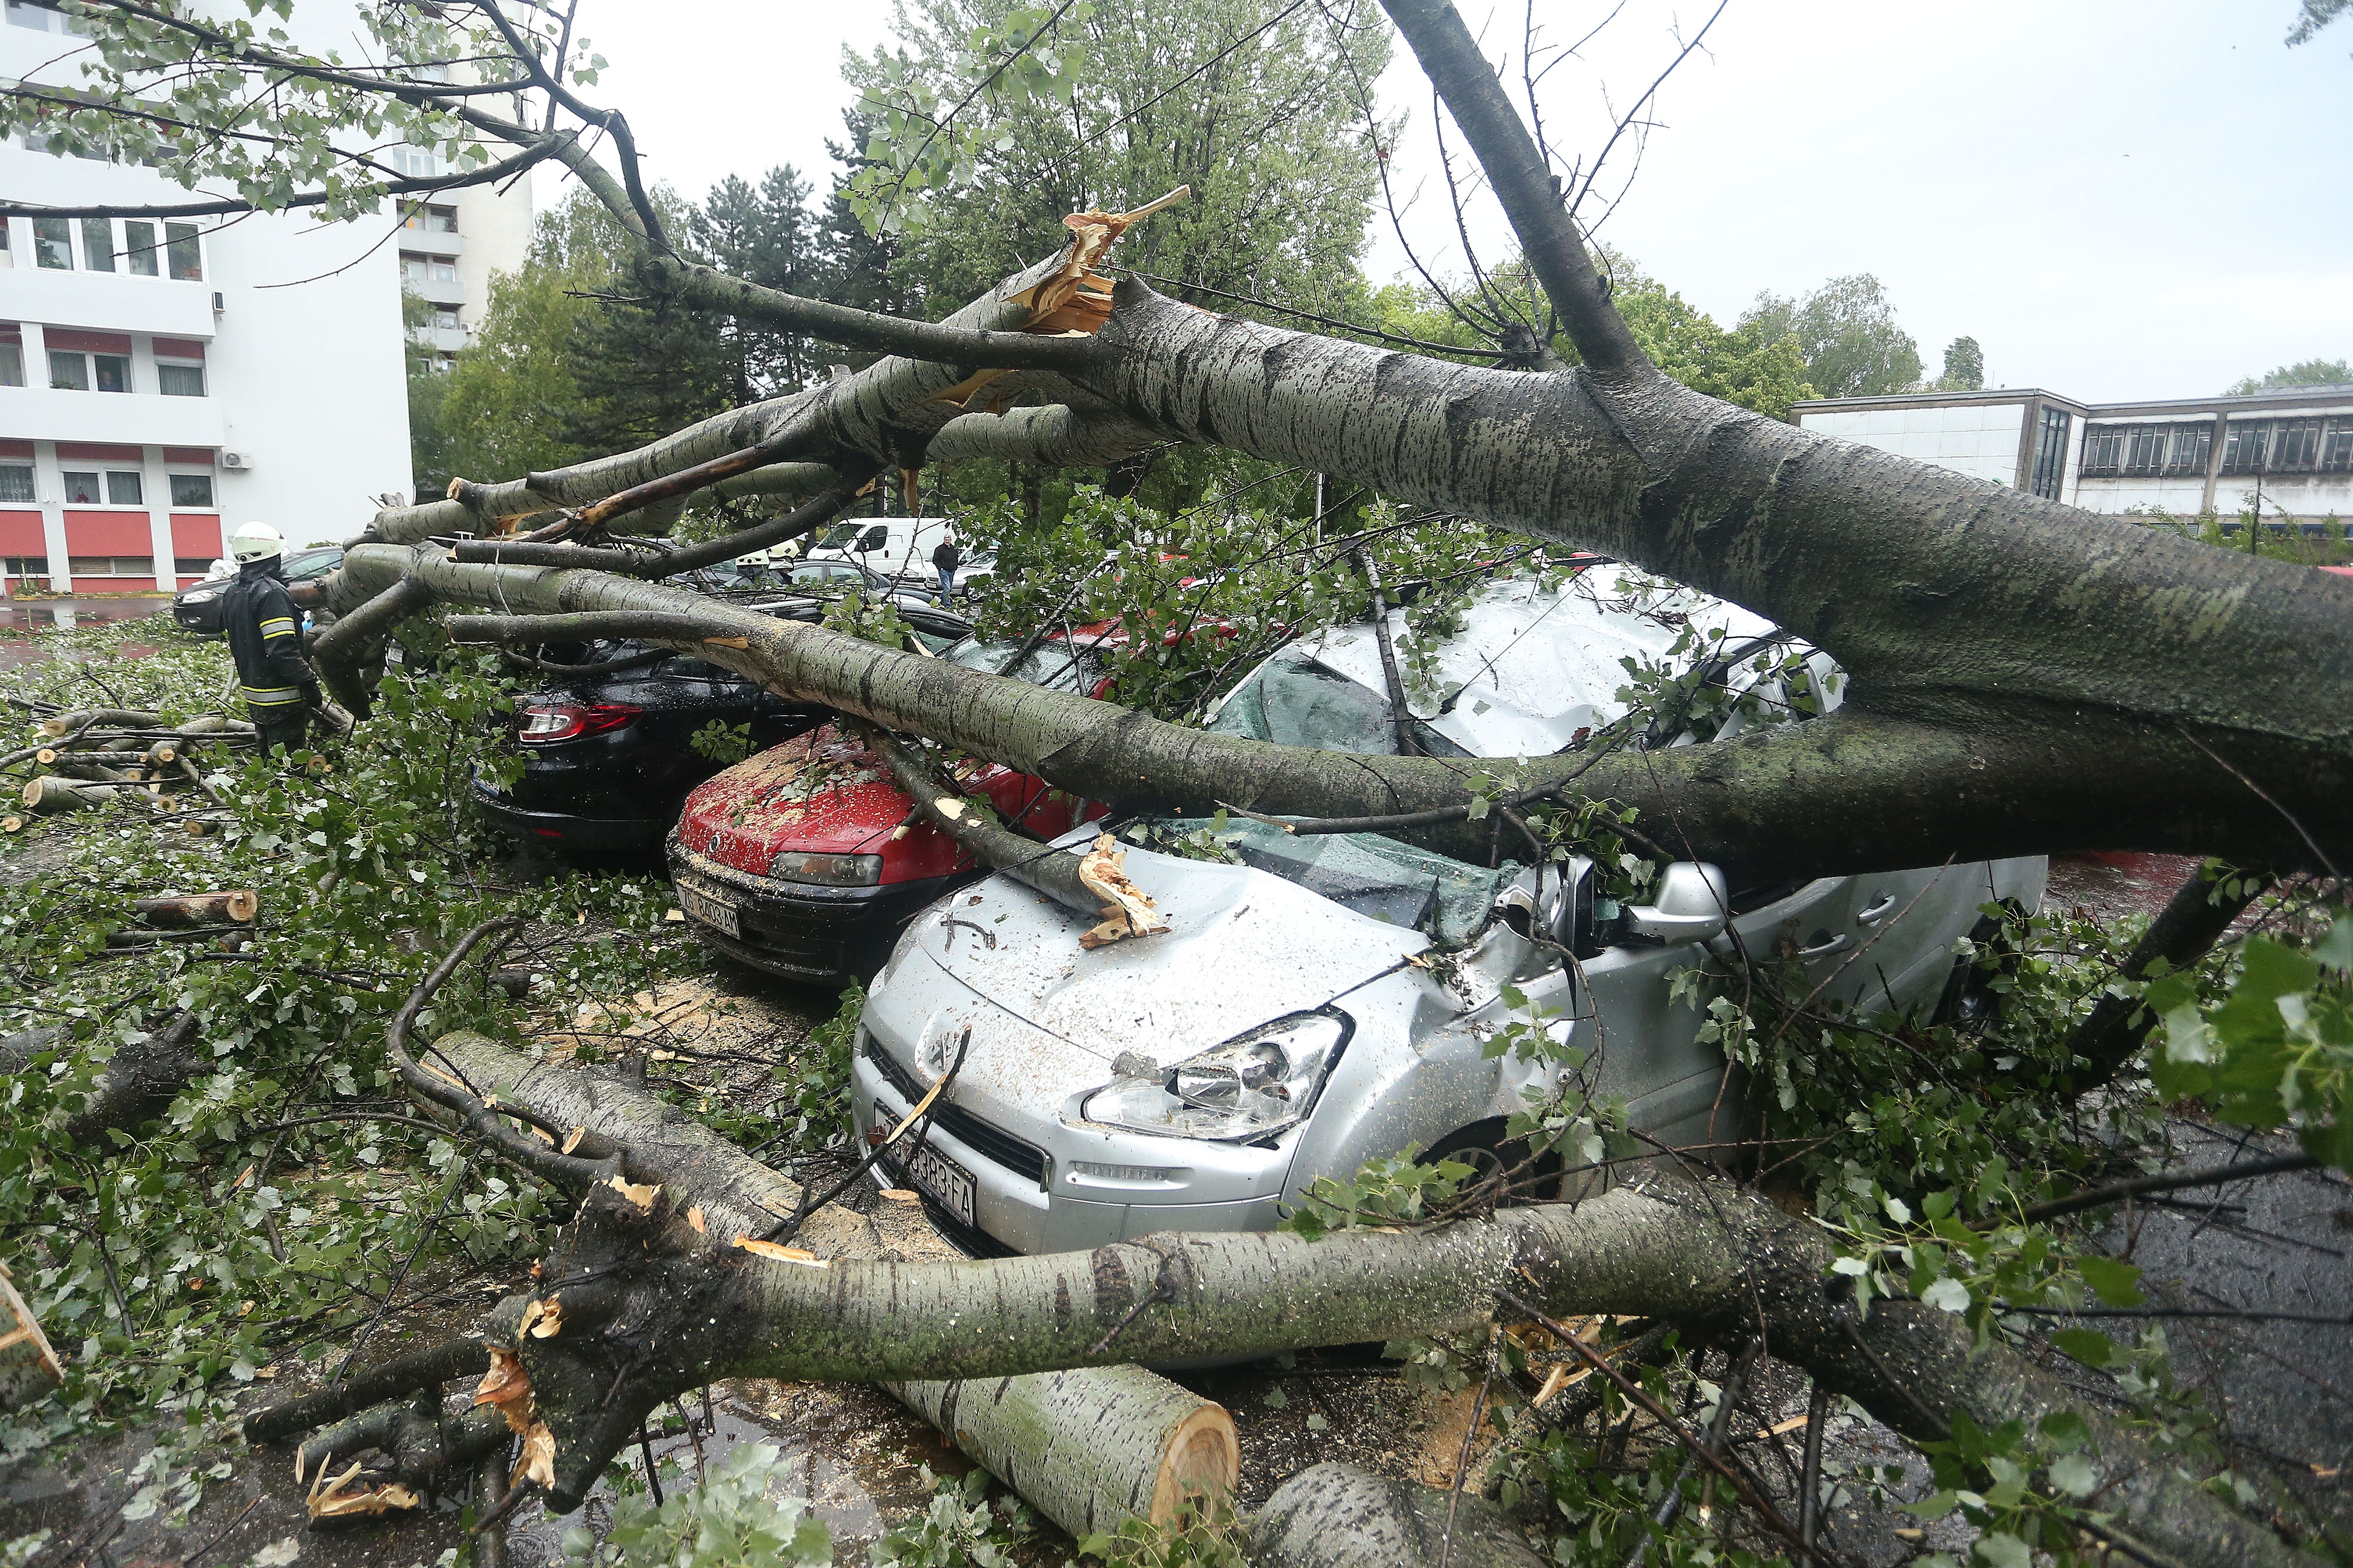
[256, 542]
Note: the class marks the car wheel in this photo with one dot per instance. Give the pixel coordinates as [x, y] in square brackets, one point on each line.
[1484, 1147]
[1971, 1002]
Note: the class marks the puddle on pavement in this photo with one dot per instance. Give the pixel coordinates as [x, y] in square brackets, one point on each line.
[20, 618]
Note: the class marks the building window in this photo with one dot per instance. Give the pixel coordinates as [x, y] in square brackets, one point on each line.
[179, 380]
[44, 16]
[417, 163]
[181, 252]
[139, 247]
[98, 244]
[2295, 447]
[2337, 448]
[2051, 452]
[191, 565]
[81, 490]
[15, 481]
[111, 372]
[191, 490]
[53, 243]
[8, 256]
[24, 565]
[111, 565]
[69, 372]
[434, 220]
[445, 317]
[123, 488]
[11, 365]
[2103, 450]
[2190, 447]
[2242, 447]
[417, 269]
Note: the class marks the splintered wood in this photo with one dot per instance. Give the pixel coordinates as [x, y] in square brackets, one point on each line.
[1074, 300]
[1126, 911]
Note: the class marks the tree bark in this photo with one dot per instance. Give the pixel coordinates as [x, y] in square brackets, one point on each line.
[1336, 1516]
[29, 1369]
[237, 906]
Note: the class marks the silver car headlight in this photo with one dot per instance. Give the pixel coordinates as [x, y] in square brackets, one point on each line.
[201, 594]
[1252, 1085]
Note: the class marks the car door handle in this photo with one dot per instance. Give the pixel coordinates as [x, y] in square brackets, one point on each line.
[1818, 949]
[1878, 909]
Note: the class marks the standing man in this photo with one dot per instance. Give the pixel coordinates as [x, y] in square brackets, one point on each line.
[947, 558]
[265, 637]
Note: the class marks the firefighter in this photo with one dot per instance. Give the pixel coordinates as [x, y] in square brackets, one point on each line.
[264, 637]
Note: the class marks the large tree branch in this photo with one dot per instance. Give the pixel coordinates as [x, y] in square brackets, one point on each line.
[1517, 174]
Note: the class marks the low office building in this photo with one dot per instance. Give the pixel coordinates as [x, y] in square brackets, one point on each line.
[2286, 453]
[164, 380]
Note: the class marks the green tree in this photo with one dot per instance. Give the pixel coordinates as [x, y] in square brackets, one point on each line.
[2304, 373]
[1241, 100]
[765, 233]
[511, 400]
[2314, 15]
[1847, 333]
[1964, 366]
[429, 444]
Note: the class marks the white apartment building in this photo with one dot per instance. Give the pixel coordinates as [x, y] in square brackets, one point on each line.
[2286, 453]
[164, 381]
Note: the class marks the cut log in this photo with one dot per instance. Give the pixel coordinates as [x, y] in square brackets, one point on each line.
[161, 754]
[28, 1367]
[1091, 1447]
[71, 765]
[116, 717]
[1338, 1516]
[1087, 1447]
[12, 823]
[237, 907]
[49, 795]
[229, 939]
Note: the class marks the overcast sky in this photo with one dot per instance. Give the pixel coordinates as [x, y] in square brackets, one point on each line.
[2117, 198]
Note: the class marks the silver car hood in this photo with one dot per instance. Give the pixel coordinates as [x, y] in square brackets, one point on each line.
[1244, 947]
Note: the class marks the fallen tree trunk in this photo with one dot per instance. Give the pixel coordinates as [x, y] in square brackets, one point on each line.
[640, 1323]
[139, 1081]
[1336, 1516]
[1087, 1449]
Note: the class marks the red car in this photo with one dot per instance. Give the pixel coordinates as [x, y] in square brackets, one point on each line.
[806, 860]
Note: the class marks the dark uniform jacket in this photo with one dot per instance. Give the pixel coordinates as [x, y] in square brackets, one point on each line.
[946, 556]
[265, 637]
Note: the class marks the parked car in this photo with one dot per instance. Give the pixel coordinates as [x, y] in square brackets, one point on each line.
[793, 861]
[772, 572]
[198, 608]
[1295, 1020]
[610, 747]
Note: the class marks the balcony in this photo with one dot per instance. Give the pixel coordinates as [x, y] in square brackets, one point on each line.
[430, 242]
[49, 414]
[105, 302]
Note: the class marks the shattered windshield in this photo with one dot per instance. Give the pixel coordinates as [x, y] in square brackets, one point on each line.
[1296, 702]
[1445, 900]
[1050, 665]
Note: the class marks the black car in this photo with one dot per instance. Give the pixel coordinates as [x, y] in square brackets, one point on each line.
[198, 609]
[611, 748]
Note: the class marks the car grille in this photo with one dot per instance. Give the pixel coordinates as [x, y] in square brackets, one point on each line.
[1027, 1159]
[808, 941]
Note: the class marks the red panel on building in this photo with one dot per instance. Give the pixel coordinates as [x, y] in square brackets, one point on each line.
[179, 348]
[20, 534]
[190, 457]
[97, 452]
[16, 449]
[108, 533]
[88, 342]
[196, 535]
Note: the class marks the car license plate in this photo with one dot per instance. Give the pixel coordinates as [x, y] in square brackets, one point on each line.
[711, 909]
[949, 1183]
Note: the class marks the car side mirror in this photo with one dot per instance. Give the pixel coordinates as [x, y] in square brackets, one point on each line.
[1693, 904]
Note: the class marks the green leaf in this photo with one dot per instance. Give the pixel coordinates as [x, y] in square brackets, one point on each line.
[2114, 1283]
[2072, 1474]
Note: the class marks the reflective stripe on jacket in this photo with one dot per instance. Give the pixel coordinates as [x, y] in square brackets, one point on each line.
[264, 637]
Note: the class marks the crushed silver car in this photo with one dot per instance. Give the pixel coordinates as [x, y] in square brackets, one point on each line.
[1320, 1001]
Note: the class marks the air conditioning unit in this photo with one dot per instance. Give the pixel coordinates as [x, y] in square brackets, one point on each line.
[235, 460]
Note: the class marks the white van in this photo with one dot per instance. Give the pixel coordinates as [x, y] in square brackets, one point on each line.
[896, 547]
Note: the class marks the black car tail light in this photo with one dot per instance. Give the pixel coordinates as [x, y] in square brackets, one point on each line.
[545, 723]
